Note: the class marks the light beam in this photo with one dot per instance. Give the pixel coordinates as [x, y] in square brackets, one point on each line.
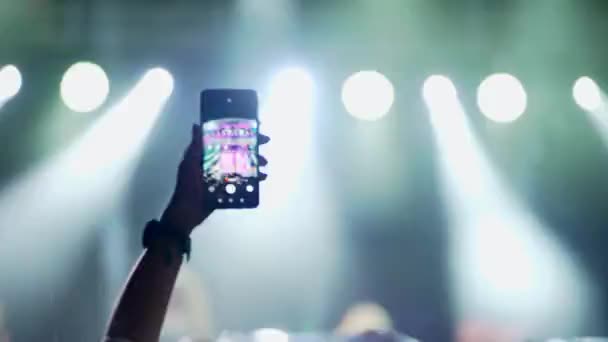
[287, 116]
[506, 266]
[46, 215]
[590, 97]
[296, 208]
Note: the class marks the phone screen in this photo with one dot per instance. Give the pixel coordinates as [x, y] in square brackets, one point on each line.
[230, 152]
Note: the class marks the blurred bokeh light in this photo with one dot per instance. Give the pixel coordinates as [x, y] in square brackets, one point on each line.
[502, 98]
[270, 335]
[368, 95]
[84, 87]
[10, 82]
[292, 87]
[587, 94]
[363, 317]
[438, 91]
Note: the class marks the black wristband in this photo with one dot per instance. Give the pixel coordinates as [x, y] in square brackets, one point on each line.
[156, 231]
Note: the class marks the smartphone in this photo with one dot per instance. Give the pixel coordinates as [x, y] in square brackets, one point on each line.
[230, 170]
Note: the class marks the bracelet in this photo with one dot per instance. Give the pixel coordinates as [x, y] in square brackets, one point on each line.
[156, 231]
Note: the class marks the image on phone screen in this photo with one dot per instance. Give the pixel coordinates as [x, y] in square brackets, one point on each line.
[230, 163]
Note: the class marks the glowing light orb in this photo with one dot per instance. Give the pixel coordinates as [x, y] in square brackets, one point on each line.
[10, 82]
[292, 88]
[502, 98]
[438, 90]
[368, 95]
[587, 94]
[84, 87]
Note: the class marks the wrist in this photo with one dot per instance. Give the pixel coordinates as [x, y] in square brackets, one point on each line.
[160, 235]
[172, 221]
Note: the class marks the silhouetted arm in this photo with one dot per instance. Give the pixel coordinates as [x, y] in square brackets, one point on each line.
[141, 308]
[143, 304]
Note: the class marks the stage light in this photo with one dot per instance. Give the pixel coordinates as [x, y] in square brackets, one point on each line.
[10, 82]
[84, 87]
[502, 98]
[505, 265]
[270, 335]
[438, 91]
[292, 88]
[82, 186]
[160, 82]
[445, 110]
[587, 94]
[129, 121]
[368, 95]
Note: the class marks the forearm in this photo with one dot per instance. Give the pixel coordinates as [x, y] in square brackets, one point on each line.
[142, 306]
[141, 309]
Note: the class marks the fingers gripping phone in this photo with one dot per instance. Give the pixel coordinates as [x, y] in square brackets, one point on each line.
[230, 167]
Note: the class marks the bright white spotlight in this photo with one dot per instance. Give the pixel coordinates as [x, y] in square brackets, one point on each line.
[368, 95]
[288, 102]
[84, 87]
[502, 98]
[82, 185]
[10, 82]
[270, 335]
[160, 82]
[292, 87]
[129, 121]
[438, 91]
[587, 94]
